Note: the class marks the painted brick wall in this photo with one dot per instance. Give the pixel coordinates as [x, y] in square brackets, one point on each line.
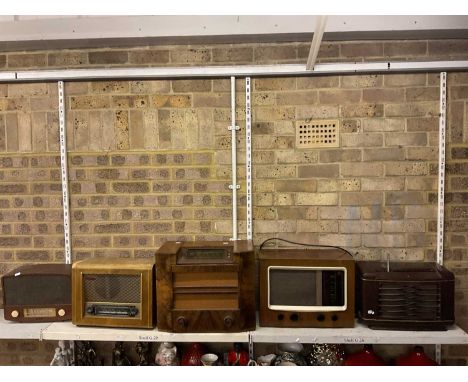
[150, 160]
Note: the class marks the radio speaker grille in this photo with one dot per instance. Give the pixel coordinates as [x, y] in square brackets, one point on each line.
[415, 301]
[112, 288]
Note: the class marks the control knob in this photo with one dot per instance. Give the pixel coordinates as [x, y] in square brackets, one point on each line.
[182, 322]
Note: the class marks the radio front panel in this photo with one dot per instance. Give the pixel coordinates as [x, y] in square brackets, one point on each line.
[116, 294]
[302, 288]
[37, 293]
[205, 286]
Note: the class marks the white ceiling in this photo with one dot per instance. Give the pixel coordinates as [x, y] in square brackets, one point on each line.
[38, 32]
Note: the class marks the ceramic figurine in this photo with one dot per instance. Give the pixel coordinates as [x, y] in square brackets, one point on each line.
[289, 355]
[416, 357]
[166, 355]
[85, 354]
[365, 357]
[192, 356]
[59, 359]
[119, 357]
[143, 350]
[238, 356]
[325, 355]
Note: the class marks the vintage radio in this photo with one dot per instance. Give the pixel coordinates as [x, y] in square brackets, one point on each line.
[206, 286]
[113, 292]
[405, 295]
[37, 293]
[301, 288]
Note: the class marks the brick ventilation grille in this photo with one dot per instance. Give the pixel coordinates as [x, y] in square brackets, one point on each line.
[112, 288]
[319, 133]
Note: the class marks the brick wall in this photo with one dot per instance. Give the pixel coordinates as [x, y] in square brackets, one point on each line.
[150, 160]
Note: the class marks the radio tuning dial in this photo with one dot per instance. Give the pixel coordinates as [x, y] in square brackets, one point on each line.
[61, 312]
[14, 313]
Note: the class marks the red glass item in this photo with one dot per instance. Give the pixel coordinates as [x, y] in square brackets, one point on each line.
[416, 357]
[365, 357]
[192, 356]
[238, 356]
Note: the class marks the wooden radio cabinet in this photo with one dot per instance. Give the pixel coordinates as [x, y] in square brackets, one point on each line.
[205, 286]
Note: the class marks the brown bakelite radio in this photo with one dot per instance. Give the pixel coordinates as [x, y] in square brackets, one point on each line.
[405, 295]
[205, 286]
[37, 293]
[302, 288]
[113, 292]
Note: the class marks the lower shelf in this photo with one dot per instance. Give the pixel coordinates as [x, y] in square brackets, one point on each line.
[360, 334]
[68, 331]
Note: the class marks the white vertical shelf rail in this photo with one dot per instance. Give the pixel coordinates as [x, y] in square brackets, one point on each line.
[64, 172]
[441, 183]
[248, 157]
[234, 186]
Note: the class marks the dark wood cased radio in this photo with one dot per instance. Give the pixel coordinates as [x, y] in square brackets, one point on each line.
[205, 286]
[37, 293]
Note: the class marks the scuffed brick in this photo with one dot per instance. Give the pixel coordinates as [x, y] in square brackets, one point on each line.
[108, 57]
[362, 110]
[342, 240]
[361, 81]
[405, 48]
[363, 226]
[67, 59]
[384, 154]
[272, 52]
[323, 171]
[382, 184]
[148, 57]
[189, 86]
[27, 60]
[112, 228]
[296, 186]
[275, 83]
[318, 82]
[131, 187]
[405, 168]
[317, 226]
[339, 97]
[328, 185]
[361, 169]
[316, 199]
[382, 95]
[383, 240]
[233, 54]
[362, 49]
[361, 198]
[190, 56]
[405, 139]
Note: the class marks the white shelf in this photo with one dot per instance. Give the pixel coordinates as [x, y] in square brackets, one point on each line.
[360, 334]
[17, 331]
[68, 331]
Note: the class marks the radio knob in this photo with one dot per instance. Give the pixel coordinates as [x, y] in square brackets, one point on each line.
[14, 313]
[228, 321]
[61, 312]
[182, 322]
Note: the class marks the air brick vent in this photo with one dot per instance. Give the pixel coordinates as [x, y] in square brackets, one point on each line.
[318, 133]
